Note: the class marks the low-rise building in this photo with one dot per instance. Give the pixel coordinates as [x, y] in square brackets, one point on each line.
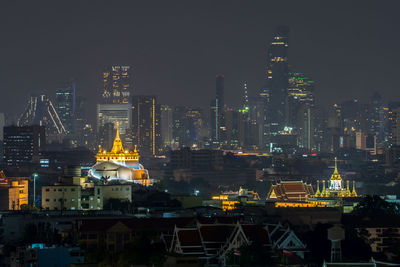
[13, 192]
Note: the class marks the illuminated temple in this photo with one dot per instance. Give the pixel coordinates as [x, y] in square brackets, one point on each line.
[336, 187]
[119, 164]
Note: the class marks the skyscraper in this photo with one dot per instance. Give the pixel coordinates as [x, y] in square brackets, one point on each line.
[116, 85]
[167, 124]
[218, 112]
[277, 80]
[113, 113]
[300, 108]
[23, 145]
[146, 124]
[65, 104]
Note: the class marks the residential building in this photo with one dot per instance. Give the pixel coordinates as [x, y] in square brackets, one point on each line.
[13, 192]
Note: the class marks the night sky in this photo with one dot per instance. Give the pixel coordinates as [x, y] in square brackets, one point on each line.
[350, 48]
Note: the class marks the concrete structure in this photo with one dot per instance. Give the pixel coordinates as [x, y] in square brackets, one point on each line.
[13, 192]
[116, 85]
[23, 145]
[118, 191]
[146, 124]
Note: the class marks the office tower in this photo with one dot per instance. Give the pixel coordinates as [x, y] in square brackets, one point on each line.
[41, 111]
[189, 127]
[167, 125]
[277, 80]
[23, 145]
[116, 85]
[65, 105]
[375, 119]
[396, 127]
[112, 113]
[106, 136]
[146, 124]
[301, 88]
[301, 108]
[2, 124]
[218, 133]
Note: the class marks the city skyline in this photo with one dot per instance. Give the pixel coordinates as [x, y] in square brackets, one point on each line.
[195, 43]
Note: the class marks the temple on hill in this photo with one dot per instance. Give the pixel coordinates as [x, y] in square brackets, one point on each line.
[119, 164]
[336, 187]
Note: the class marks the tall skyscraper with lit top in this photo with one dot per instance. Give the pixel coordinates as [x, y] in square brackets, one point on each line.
[277, 80]
[116, 85]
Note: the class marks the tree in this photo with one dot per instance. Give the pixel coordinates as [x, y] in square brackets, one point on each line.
[375, 206]
[250, 255]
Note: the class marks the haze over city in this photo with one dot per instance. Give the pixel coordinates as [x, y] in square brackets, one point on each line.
[175, 48]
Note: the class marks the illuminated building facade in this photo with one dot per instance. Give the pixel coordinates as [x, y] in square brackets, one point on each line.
[146, 124]
[301, 88]
[167, 125]
[111, 113]
[41, 111]
[277, 80]
[65, 105]
[395, 125]
[119, 164]
[23, 145]
[290, 191]
[229, 200]
[116, 85]
[13, 192]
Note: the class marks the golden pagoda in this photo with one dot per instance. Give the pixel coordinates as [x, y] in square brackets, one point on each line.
[117, 153]
[336, 186]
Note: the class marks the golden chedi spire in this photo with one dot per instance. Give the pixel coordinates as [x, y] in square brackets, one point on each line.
[317, 193]
[336, 175]
[117, 146]
[354, 193]
[348, 193]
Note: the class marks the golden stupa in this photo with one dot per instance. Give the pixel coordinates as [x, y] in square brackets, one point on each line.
[117, 153]
[336, 186]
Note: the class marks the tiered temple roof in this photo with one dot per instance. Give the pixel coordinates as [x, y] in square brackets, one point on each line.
[290, 190]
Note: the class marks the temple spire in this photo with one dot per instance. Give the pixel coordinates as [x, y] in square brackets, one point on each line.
[117, 146]
[354, 193]
[336, 170]
[318, 193]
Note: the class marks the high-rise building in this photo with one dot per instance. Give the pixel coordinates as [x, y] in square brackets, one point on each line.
[300, 108]
[41, 111]
[218, 132]
[146, 124]
[396, 127]
[65, 104]
[116, 85]
[23, 145]
[277, 81]
[2, 124]
[167, 124]
[112, 113]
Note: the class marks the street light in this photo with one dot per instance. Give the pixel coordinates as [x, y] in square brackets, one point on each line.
[35, 175]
